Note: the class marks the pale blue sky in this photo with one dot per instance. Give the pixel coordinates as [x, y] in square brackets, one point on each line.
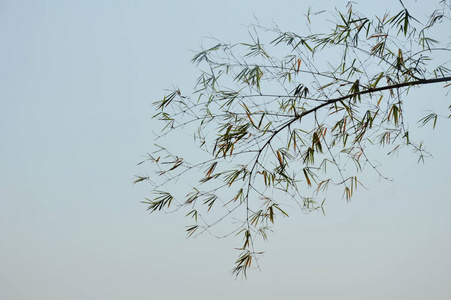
[76, 85]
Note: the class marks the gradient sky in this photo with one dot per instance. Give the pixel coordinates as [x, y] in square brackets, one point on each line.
[76, 85]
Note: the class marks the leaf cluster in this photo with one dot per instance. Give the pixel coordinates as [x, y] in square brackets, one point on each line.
[281, 122]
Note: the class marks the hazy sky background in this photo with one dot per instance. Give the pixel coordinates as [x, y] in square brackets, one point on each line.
[77, 81]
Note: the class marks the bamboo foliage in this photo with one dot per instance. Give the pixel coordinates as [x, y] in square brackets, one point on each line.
[281, 122]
